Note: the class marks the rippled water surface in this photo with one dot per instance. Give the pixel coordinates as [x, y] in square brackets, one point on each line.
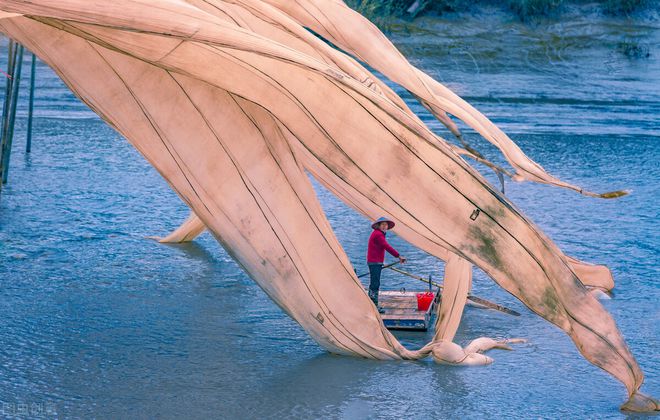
[97, 321]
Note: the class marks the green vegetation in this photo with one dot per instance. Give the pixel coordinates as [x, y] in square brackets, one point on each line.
[633, 49]
[379, 11]
[410, 8]
[442, 6]
[530, 9]
[623, 7]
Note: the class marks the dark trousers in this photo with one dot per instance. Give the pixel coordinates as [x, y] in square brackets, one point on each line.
[374, 281]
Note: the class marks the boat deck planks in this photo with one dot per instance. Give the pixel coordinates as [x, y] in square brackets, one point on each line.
[401, 310]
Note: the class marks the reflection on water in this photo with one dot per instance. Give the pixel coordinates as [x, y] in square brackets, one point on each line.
[96, 320]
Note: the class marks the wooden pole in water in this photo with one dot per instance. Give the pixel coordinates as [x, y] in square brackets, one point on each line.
[28, 144]
[16, 84]
[5, 107]
[473, 298]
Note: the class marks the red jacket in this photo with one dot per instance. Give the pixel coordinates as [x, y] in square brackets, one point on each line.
[377, 247]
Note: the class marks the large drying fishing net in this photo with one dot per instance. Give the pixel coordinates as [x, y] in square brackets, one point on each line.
[233, 101]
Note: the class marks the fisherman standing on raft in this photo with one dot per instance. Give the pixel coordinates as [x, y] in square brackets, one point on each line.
[376, 256]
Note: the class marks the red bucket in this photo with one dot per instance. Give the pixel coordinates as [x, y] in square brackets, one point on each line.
[424, 300]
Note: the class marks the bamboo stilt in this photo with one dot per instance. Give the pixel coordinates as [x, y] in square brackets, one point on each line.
[6, 106]
[28, 143]
[9, 133]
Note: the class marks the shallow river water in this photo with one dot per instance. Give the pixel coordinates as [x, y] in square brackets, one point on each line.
[97, 321]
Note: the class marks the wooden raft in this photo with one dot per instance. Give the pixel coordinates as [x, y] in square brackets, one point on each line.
[401, 310]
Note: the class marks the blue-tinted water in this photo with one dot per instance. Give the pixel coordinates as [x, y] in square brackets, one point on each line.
[97, 321]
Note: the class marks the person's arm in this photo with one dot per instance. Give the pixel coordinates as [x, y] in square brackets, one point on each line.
[383, 242]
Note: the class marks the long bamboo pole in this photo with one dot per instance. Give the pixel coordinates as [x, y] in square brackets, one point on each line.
[5, 107]
[475, 299]
[387, 266]
[28, 143]
[16, 84]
